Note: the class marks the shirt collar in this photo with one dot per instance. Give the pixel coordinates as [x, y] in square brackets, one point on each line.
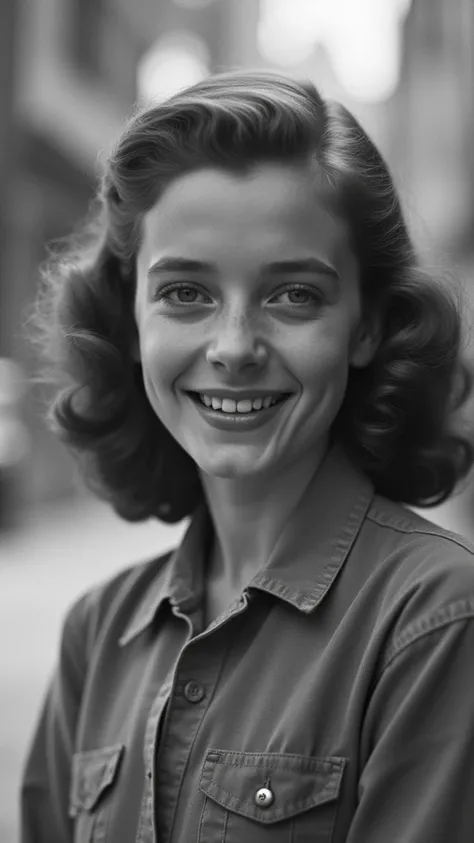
[180, 580]
[306, 560]
[317, 539]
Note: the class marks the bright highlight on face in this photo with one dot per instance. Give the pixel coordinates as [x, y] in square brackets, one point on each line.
[247, 285]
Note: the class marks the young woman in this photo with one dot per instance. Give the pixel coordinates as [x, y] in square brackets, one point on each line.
[244, 336]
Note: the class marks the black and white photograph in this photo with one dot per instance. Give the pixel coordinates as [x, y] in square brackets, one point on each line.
[237, 421]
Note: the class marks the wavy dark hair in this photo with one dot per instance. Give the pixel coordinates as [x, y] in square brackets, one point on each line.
[396, 416]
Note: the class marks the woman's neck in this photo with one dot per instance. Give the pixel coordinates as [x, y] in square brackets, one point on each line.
[248, 515]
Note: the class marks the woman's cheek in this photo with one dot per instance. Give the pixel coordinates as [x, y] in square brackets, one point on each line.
[160, 361]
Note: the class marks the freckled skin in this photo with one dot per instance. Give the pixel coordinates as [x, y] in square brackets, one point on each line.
[241, 329]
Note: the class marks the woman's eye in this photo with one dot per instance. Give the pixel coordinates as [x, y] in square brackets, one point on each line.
[180, 294]
[301, 296]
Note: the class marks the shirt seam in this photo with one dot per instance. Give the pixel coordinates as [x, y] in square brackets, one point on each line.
[412, 530]
[414, 633]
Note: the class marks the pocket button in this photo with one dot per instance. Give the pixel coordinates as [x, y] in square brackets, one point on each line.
[194, 692]
[264, 797]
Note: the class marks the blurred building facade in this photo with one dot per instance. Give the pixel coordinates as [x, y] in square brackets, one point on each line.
[431, 119]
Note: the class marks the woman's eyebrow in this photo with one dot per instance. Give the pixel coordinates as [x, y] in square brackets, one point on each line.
[283, 267]
[177, 264]
[300, 265]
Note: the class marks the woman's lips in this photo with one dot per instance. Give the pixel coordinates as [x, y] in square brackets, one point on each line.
[237, 421]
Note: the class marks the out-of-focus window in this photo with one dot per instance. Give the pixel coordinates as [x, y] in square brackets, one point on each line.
[173, 62]
[362, 40]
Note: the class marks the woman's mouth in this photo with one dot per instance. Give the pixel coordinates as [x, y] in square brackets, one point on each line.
[238, 416]
[244, 406]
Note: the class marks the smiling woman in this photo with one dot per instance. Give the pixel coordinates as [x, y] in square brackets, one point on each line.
[244, 336]
[248, 244]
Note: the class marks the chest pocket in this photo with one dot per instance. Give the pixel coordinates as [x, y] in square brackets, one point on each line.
[93, 773]
[279, 798]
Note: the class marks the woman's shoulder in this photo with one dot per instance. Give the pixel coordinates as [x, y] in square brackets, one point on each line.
[396, 523]
[426, 571]
[416, 543]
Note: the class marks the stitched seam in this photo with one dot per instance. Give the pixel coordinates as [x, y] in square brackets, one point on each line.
[107, 753]
[224, 830]
[420, 531]
[334, 814]
[274, 762]
[201, 820]
[233, 797]
[417, 636]
[274, 587]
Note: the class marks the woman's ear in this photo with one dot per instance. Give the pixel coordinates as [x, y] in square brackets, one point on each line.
[365, 343]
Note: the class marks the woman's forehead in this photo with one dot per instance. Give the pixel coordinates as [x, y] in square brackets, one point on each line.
[273, 207]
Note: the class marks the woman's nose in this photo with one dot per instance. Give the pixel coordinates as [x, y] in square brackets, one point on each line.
[236, 346]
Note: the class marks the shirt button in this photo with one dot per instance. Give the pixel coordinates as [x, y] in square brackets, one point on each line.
[194, 692]
[263, 797]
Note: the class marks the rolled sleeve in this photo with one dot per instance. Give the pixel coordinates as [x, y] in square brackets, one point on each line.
[46, 775]
[418, 782]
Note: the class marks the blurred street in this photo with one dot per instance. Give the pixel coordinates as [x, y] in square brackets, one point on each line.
[58, 553]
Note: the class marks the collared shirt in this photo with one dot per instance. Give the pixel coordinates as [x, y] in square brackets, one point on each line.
[333, 702]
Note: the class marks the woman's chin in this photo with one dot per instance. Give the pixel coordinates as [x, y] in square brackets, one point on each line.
[237, 467]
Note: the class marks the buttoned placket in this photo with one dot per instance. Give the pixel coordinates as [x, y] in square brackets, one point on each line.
[179, 709]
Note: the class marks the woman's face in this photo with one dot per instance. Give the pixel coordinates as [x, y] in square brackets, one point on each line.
[247, 288]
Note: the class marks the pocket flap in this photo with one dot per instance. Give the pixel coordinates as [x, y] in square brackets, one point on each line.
[297, 782]
[92, 772]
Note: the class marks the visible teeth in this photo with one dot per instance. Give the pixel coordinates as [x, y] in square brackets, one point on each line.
[246, 405]
[228, 405]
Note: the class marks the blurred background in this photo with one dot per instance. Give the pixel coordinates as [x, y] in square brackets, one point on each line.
[71, 71]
